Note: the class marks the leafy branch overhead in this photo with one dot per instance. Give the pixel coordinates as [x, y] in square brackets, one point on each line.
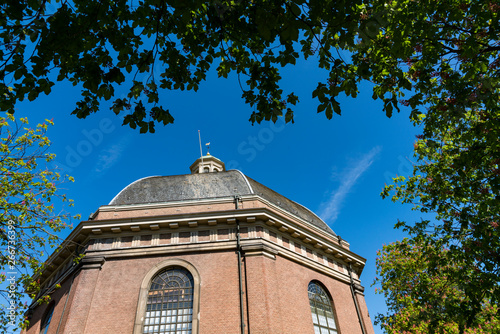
[100, 45]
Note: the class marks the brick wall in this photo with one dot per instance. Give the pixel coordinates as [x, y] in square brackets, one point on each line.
[105, 300]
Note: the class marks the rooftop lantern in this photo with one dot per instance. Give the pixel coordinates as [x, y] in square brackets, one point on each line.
[207, 164]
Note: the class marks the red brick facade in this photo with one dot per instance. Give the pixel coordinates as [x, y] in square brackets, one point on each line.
[280, 255]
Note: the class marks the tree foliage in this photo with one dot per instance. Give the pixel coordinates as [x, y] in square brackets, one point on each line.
[30, 214]
[452, 59]
[171, 45]
[418, 290]
[458, 178]
[399, 46]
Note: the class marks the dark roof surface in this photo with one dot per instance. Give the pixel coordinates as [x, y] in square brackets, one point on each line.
[159, 189]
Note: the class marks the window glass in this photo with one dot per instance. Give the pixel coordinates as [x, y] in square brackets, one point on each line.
[321, 310]
[46, 319]
[169, 308]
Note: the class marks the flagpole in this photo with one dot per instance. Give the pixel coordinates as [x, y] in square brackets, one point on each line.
[201, 152]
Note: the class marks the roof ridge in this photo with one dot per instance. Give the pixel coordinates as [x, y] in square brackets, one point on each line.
[305, 207]
[130, 184]
[246, 180]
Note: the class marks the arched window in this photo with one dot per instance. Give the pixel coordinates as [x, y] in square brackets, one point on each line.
[46, 319]
[321, 310]
[169, 306]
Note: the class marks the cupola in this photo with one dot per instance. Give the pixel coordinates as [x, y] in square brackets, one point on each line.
[207, 164]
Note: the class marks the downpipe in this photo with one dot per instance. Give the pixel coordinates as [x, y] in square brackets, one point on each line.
[240, 277]
[356, 301]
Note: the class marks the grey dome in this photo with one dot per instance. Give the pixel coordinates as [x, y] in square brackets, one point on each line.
[161, 189]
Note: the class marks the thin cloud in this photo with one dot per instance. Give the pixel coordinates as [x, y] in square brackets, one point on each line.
[331, 208]
[109, 156]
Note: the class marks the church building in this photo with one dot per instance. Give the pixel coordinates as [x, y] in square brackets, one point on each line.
[211, 252]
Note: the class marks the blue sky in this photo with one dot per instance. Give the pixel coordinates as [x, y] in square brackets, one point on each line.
[336, 168]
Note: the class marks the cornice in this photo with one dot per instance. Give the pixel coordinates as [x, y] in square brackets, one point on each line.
[265, 217]
[113, 227]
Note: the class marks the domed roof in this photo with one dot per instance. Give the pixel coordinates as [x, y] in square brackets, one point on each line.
[161, 189]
